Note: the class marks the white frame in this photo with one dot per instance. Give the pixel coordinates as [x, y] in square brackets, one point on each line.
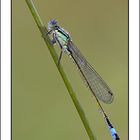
[6, 70]
[133, 69]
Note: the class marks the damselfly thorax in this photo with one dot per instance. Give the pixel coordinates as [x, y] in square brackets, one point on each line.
[62, 38]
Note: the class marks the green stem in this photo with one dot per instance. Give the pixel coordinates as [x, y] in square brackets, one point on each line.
[72, 94]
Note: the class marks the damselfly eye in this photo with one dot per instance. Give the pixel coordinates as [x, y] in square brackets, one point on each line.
[53, 22]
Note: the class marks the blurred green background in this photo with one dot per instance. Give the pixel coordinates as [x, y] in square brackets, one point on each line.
[41, 106]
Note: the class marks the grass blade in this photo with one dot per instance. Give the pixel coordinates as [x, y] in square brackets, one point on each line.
[72, 94]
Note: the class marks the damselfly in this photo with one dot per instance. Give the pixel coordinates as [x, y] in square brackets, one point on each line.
[96, 84]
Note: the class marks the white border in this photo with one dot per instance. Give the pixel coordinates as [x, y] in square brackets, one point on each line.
[5, 70]
[134, 69]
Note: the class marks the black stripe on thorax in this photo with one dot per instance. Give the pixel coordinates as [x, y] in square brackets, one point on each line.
[62, 32]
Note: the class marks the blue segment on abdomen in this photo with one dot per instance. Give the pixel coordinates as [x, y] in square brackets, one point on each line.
[113, 132]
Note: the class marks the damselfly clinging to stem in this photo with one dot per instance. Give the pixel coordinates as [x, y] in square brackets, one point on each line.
[96, 84]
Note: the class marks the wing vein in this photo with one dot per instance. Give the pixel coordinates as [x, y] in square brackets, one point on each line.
[96, 84]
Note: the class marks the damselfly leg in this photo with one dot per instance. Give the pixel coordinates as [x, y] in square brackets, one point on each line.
[60, 56]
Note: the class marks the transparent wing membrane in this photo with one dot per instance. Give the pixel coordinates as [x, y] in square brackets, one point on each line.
[95, 83]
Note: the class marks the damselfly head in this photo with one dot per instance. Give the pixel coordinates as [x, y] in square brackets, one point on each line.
[52, 24]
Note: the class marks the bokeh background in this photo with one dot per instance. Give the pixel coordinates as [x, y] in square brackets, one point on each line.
[41, 106]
